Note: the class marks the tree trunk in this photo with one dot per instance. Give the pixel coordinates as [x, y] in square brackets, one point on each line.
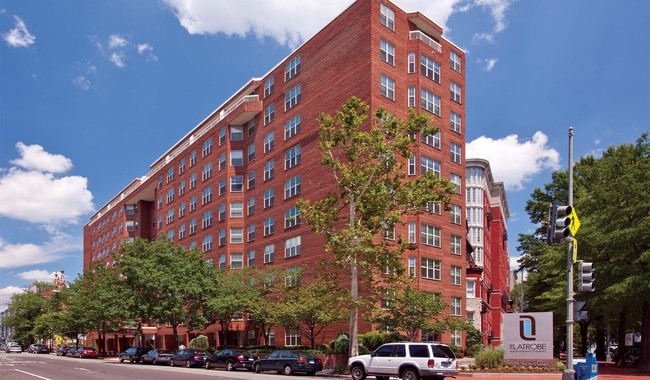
[620, 352]
[584, 329]
[601, 344]
[175, 333]
[644, 357]
[354, 290]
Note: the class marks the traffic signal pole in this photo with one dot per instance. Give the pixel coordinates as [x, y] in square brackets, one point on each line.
[569, 373]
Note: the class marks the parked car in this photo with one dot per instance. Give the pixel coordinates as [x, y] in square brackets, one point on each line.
[230, 359]
[72, 351]
[38, 349]
[189, 358]
[14, 347]
[132, 354]
[86, 352]
[289, 362]
[62, 351]
[156, 356]
[406, 360]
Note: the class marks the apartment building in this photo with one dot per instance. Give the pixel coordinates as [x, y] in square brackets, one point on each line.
[229, 186]
[488, 274]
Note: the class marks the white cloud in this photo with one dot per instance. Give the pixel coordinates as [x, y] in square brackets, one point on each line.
[40, 275]
[498, 10]
[119, 59]
[35, 158]
[19, 36]
[82, 82]
[147, 50]
[117, 41]
[488, 62]
[5, 295]
[514, 162]
[16, 255]
[35, 195]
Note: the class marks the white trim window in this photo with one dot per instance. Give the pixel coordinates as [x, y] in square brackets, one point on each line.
[269, 114]
[269, 226]
[456, 245]
[387, 87]
[456, 214]
[236, 235]
[456, 180]
[292, 187]
[454, 60]
[430, 268]
[387, 52]
[456, 306]
[269, 141]
[430, 102]
[292, 247]
[456, 276]
[411, 97]
[455, 92]
[429, 235]
[292, 127]
[269, 169]
[292, 68]
[292, 157]
[207, 171]
[236, 260]
[269, 253]
[429, 165]
[430, 68]
[292, 98]
[292, 217]
[292, 338]
[411, 63]
[455, 153]
[432, 140]
[470, 291]
[455, 122]
[269, 86]
[387, 18]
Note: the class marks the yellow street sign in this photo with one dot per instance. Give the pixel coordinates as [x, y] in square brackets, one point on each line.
[574, 246]
[575, 222]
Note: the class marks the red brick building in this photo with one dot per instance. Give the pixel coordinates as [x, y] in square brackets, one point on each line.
[229, 186]
[488, 276]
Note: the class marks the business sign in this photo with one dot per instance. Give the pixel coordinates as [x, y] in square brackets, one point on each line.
[528, 336]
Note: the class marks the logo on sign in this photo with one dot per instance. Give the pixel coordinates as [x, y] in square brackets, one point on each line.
[527, 327]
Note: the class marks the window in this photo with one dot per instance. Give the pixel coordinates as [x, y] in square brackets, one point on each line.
[236, 235]
[236, 209]
[181, 231]
[207, 243]
[412, 232]
[236, 157]
[181, 188]
[411, 165]
[430, 269]
[269, 86]
[192, 203]
[269, 169]
[251, 153]
[222, 161]
[251, 179]
[292, 217]
[292, 187]
[181, 210]
[292, 127]
[432, 140]
[170, 174]
[411, 266]
[269, 226]
[207, 171]
[456, 214]
[456, 180]
[455, 275]
[292, 98]
[236, 133]
[269, 141]
[456, 338]
[429, 68]
[251, 258]
[207, 195]
[269, 253]
[411, 97]
[193, 158]
[236, 260]
[455, 122]
[237, 183]
[251, 206]
[207, 219]
[170, 216]
[387, 232]
[387, 88]
[470, 291]
[456, 306]
[170, 195]
[222, 136]
[222, 262]
[454, 60]
[292, 68]
[160, 222]
[456, 244]
[192, 180]
[292, 277]
[387, 17]
[411, 63]
[269, 198]
[292, 157]
[455, 153]
[207, 147]
[222, 212]
[251, 232]
[181, 166]
[454, 91]
[222, 237]
[269, 114]
[192, 226]
[292, 338]
[387, 52]
[429, 165]
[292, 247]
[430, 102]
[429, 235]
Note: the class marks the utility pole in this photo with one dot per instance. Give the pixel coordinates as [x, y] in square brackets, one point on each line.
[569, 373]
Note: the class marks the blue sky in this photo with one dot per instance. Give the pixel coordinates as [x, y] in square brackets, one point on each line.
[92, 92]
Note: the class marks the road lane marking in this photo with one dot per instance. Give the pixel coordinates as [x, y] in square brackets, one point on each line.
[31, 374]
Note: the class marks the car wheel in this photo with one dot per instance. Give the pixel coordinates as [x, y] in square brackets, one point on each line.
[357, 372]
[410, 374]
[154, 362]
[132, 360]
[229, 366]
[207, 364]
[311, 373]
[258, 368]
[187, 363]
[288, 370]
[171, 362]
[121, 359]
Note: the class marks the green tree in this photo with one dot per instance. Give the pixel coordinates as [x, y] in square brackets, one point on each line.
[25, 308]
[263, 311]
[367, 161]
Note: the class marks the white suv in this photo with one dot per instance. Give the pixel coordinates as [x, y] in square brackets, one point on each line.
[406, 360]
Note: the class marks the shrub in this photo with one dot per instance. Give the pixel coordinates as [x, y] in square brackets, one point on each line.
[490, 358]
[372, 340]
[341, 344]
[200, 342]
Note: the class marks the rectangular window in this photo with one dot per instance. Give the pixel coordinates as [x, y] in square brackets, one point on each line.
[236, 157]
[207, 147]
[236, 133]
[412, 233]
[429, 235]
[269, 114]
[292, 338]
[236, 209]
[455, 275]
[207, 219]
[456, 303]
[181, 166]
[251, 232]
[470, 291]
[411, 165]
[429, 165]
[292, 98]
[181, 210]
[251, 179]
[222, 262]
[292, 68]
[181, 188]
[456, 180]
[430, 68]
[222, 186]
[207, 243]
[269, 198]
[456, 244]
[269, 253]
[222, 237]
[236, 260]
[192, 226]
[292, 157]
[432, 140]
[387, 17]
[454, 60]
[207, 171]
[456, 338]
[251, 153]
[456, 214]
[170, 195]
[269, 86]
[411, 266]
[292, 127]
[251, 258]
[430, 269]
[430, 102]
[269, 226]
[193, 158]
[236, 235]
[207, 195]
[455, 153]
[170, 216]
[292, 247]
[170, 174]
[455, 122]
[181, 231]
[192, 203]
[269, 169]
[292, 187]
[251, 206]
[222, 212]
[411, 63]
[292, 217]
[251, 127]
[237, 183]
[454, 90]
[269, 141]
[192, 180]
[387, 52]
[222, 161]
[387, 87]
[222, 136]
[411, 97]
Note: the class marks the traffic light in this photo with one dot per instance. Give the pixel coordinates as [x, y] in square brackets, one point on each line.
[586, 277]
[559, 222]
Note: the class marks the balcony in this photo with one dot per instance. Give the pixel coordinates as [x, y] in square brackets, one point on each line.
[418, 35]
[243, 110]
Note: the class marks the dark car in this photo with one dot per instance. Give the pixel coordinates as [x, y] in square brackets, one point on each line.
[62, 351]
[157, 357]
[289, 362]
[132, 354]
[38, 349]
[230, 359]
[86, 352]
[189, 358]
[72, 351]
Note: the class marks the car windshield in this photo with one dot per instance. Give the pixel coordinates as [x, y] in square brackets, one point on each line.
[165, 352]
